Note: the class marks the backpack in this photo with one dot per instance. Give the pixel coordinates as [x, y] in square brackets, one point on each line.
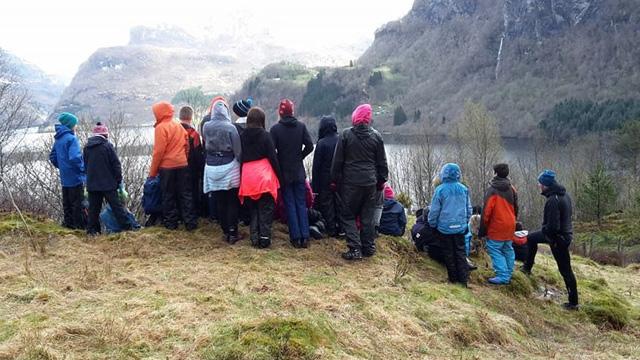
[152, 196]
[196, 150]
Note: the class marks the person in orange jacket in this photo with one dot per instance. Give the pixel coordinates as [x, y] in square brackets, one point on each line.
[498, 224]
[169, 161]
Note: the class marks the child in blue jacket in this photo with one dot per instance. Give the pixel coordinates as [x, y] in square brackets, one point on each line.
[450, 214]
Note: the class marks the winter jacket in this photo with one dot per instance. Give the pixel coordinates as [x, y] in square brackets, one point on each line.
[500, 210]
[66, 156]
[393, 221]
[323, 157]
[195, 157]
[221, 139]
[557, 225]
[256, 145]
[360, 158]
[289, 137]
[104, 172]
[450, 207]
[170, 144]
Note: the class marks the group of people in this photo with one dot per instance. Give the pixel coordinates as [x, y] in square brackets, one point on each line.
[231, 170]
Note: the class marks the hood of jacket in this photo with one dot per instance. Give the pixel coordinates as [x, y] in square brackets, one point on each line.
[96, 140]
[61, 130]
[163, 111]
[288, 121]
[555, 189]
[500, 184]
[391, 204]
[450, 173]
[327, 127]
[220, 112]
[362, 131]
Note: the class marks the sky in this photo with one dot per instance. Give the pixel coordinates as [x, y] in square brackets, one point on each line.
[59, 35]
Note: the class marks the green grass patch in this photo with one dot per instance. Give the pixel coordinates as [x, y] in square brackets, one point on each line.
[608, 311]
[7, 330]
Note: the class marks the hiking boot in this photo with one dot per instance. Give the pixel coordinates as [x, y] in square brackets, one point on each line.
[525, 270]
[368, 252]
[233, 238]
[264, 242]
[304, 243]
[295, 243]
[570, 306]
[496, 281]
[471, 265]
[352, 254]
[315, 232]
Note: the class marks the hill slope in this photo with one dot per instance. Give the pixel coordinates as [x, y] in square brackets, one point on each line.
[155, 294]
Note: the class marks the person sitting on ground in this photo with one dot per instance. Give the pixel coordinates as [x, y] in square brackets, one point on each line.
[393, 221]
[169, 161]
[358, 172]
[425, 238]
[326, 201]
[498, 224]
[450, 213]
[104, 180]
[66, 156]
[557, 231]
[259, 182]
[195, 161]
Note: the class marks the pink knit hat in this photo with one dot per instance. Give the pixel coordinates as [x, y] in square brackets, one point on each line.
[388, 192]
[100, 130]
[361, 115]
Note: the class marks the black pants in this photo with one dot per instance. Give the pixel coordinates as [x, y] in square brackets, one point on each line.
[455, 257]
[176, 198]
[261, 211]
[560, 251]
[327, 204]
[358, 201]
[74, 215]
[197, 196]
[95, 206]
[227, 207]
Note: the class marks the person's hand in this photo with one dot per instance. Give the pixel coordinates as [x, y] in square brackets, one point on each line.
[333, 186]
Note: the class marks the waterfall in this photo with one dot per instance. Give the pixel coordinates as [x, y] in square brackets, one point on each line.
[499, 55]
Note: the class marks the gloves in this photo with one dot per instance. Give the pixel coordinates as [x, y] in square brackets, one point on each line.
[333, 186]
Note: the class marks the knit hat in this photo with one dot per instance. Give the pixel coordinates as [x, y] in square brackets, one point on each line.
[100, 130]
[67, 119]
[547, 177]
[215, 100]
[362, 115]
[501, 170]
[286, 108]
[388, 192]
[241, 108]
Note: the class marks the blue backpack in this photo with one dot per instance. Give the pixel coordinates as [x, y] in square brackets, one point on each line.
[152, 196]
[111, 224]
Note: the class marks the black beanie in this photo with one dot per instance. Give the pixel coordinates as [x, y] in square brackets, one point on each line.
[241, 108]
[502, 170]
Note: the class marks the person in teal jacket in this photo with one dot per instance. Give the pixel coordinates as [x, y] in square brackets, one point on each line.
[66, 156]
[449, 215]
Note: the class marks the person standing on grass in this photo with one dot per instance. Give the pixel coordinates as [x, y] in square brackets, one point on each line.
[498, 224]
[449, 214]
[326, 201]
[66, 156]
[222, 170]
[293, 143]
[169, 161]
[241, 109]
[195, 160]
[104, 180]
[557, 231]
[358, 172]
[259, 183]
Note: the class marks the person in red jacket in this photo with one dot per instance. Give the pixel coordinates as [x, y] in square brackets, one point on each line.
[498, 224]
[170, 152]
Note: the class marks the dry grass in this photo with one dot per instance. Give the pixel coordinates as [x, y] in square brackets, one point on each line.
[158, 294]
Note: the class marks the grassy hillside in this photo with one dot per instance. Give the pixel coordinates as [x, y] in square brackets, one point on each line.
[158, 294]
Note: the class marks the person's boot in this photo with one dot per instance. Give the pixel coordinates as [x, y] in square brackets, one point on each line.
[352, 254]
[295, 243]
[264, 242]
[570, 306]
[496, 281]
[525, 270]
[304, 243]
[369, 251]
[315, 232]
[233, 237]
[471, 265]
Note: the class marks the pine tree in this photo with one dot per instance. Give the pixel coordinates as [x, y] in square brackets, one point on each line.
[597, 195]
[399, 116]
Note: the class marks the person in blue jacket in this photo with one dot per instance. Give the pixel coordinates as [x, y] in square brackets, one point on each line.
[450, 213]
[393, 220]
[66, 156]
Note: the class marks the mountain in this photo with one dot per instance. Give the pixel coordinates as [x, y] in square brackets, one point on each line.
[160, 61]
[44, 90]
[518, 57]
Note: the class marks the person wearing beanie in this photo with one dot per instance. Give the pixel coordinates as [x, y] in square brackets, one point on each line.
[293, 143]
[326, 201]
[104, 179]
[498, 223]
[169, 161]
[393, 220]
[557, 231]
[66, 156]
[358, 174]
[195, 160]
[241, 109]
[259, 183]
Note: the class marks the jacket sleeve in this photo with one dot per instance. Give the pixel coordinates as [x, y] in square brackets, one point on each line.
[515, 202]
[116, 166]
[159, 148]
[434, 212]
[338, 160]
[382, 168]
[236, 144]
[318, 158]
[53, 157]
[75, 155]
[274, 136]
[487, 213]
[273, 158]
[551, 226]
[307, 142]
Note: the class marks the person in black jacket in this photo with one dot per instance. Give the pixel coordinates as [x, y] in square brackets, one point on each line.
[325, 202]
[557, 231]
[359, 170]
[293, 143]
[195, 161]
[104, 179]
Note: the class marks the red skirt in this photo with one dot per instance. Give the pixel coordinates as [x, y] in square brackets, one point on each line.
[258, 178]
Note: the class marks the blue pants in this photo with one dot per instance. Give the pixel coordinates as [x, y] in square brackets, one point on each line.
[293, 195]
[503, 259]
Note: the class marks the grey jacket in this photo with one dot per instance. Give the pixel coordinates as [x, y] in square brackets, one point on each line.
[221, 139]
